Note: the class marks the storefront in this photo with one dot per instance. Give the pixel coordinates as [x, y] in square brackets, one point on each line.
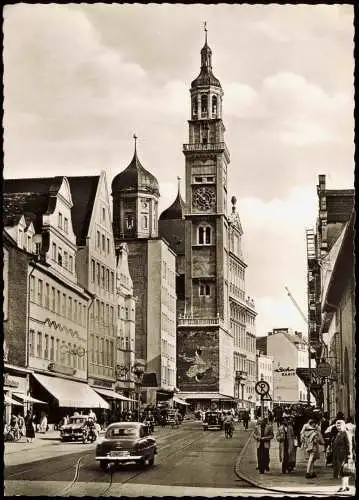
[16, 382]
[64, 396]
[118, 404]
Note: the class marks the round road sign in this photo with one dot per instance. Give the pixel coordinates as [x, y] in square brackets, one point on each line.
[324, 370]
[262, 387]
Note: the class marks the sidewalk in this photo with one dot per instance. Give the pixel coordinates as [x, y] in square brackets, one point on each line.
[295, 482]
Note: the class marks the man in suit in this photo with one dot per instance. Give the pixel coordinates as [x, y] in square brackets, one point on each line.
[263, 433]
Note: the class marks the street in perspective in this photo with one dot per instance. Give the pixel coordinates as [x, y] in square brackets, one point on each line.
[178, 250]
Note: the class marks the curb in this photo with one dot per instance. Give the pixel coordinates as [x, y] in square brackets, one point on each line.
[250, 480]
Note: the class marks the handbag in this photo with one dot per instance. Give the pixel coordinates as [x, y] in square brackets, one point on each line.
[348, 468]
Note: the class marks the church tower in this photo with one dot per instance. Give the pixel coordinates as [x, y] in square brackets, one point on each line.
[204, 340]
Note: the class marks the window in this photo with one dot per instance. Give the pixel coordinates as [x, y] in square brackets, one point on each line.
[53, 299]
[102, 351]
[92, 270]
[64, 305]
[70, 308]
[39, 292]
[21, 238]
[97, 309]
[32, 342]
[111, 352]
[75, 310]
[204, 104]
[102, 311]
[47, 296]
[59, 257]
[107, 314]
[107, 279]
[66, 261]
[204, 235]
[102, 277]
[54, 251]
[52, 349]
[194, 106]
[108, 245]
[103, 215]
[58, 305]
[214, 105]
[103, 243]
[97, 350]
[79, 315]
[106, 353]
[112, 282]
[70, 263]
[46, 350]
[98, 274]
[32, 288]
[98, 239]
[204, 290]
[37, 248]
[145, 222]
[112, 319]
[60, 220]
[29, 240]
[39, 345]
[66, 225]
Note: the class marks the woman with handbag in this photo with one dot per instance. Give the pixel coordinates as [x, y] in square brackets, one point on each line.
[343, 462]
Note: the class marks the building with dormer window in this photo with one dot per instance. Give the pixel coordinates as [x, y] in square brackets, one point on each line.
[56, 305]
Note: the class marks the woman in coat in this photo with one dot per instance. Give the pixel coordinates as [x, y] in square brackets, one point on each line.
[287, 449]
[343, 447]
[311, 438]
[30, 427]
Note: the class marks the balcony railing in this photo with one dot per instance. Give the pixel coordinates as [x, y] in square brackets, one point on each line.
[190, 321]
[217, 147]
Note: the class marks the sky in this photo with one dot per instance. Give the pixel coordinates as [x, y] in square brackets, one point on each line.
[81, 79]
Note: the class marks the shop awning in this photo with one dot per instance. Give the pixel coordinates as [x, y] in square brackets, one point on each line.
[28, 399]
[9, 401]
[71, 394]
[179, 401]
[205, 395]
[112, 394]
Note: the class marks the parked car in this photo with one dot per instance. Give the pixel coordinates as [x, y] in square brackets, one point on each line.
[74, 430]
[126, 442]
[213, 420]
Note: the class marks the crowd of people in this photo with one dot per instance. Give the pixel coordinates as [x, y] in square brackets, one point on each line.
[308, 429]
[20, 426]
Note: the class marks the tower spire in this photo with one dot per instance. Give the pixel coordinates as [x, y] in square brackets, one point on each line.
[205, 31]
[179, 184]
[135, 137]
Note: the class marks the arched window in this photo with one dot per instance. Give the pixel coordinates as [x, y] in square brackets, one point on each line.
[145, 222]
[204, 235]
[214, 105]
[194, 106]
[204, 105]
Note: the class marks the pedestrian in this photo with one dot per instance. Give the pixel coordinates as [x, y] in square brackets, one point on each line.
[30, 427]
[21, 424]
[92, 415]
[245, 419]
[311, 438]
[287, 448]
[263, 434]
[43, 423]
[343, 455]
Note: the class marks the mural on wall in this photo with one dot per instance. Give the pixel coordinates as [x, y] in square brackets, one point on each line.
[198, 361]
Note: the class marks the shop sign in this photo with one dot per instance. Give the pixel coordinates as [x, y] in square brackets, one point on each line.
[10, 382]
[285, 371]
[102, 383]
[65, 370]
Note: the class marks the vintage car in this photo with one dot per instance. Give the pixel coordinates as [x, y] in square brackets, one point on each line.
[213, 420]
[74, 430]
[126, 442]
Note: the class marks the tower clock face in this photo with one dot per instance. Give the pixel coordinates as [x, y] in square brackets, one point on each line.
[204, 198]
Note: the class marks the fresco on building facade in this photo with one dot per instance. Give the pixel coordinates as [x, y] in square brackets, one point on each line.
[198, 361]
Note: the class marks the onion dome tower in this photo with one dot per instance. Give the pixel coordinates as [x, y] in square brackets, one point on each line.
[135, 195]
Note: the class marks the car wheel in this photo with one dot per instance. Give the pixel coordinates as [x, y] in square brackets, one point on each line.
[104, 465]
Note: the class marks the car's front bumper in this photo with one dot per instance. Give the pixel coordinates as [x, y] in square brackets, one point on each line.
[124, 458]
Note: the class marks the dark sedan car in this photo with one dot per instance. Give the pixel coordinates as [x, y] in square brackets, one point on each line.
[126, 442]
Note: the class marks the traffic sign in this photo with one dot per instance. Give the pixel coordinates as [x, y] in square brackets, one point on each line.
[262, 387]
[266, 397]
[324, 370]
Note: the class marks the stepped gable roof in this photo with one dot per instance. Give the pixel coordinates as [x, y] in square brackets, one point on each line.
[175, 211]
[83, 192]
[135, 178]
[32, 198]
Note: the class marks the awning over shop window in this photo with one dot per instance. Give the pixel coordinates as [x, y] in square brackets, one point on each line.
[9, 401]
[205, 395]
[112, 394]
[179, 401]
[71, 394]
[27, 399]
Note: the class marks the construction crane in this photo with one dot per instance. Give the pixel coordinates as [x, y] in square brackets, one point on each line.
[296, 305]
